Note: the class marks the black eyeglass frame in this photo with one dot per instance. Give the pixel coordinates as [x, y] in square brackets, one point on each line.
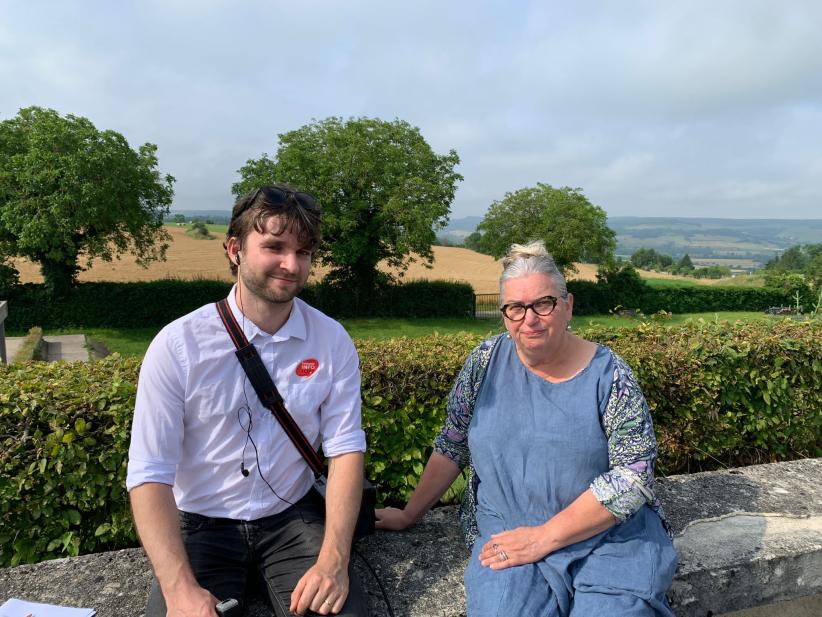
[277, 196]
[553, 300]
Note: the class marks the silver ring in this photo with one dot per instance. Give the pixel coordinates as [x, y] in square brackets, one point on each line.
[503, 556]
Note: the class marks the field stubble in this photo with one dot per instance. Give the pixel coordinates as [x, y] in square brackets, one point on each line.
[188, 258]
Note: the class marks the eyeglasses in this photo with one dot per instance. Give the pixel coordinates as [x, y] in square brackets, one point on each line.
[277, 196]
[515, 311]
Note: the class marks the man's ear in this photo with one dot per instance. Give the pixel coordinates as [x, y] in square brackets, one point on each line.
[233, 248]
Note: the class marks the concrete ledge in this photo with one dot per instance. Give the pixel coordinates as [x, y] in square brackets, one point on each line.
[30, 347]
[747, 537]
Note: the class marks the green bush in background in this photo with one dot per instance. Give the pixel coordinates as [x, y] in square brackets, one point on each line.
[721, 395]
[599, 298]
[156, 303]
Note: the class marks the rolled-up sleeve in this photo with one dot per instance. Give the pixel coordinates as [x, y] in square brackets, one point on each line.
[632, 447]
[157, 427]
[341, 411]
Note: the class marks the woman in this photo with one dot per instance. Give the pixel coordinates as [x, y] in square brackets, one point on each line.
[559, 513]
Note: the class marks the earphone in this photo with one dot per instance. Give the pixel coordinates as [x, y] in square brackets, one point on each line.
[237, 258]
[243, 470]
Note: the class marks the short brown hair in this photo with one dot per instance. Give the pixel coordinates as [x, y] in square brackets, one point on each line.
[299, 213]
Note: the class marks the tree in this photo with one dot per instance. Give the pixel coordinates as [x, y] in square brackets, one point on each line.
[383, 190]
[474, 241]
[179, 219]
[572, 227]
[685, 263]
[69, 191]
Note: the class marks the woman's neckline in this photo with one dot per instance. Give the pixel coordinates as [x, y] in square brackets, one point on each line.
[553, 381]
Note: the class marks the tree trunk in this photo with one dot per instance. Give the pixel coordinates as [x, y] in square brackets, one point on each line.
[59, 276]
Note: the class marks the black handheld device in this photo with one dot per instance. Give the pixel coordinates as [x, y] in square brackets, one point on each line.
[228, 608]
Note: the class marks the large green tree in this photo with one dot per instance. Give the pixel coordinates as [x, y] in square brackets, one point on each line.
[384, 192]
[70, 193]
[572, 228]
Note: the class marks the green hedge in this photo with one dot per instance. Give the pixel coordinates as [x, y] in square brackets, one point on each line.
[721, 395]
[156, 303]
[597, 298]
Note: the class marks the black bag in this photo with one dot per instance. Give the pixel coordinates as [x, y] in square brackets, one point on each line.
[270, 397]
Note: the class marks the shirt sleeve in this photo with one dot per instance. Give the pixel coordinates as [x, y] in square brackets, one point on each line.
[632, 448]
[341, 411]
[453, 439]
[157, 427]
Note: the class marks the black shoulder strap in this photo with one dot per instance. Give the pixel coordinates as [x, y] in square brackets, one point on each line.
[264, 387]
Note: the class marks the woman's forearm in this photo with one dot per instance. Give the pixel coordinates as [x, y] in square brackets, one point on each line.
[584, 518]
[437, 477]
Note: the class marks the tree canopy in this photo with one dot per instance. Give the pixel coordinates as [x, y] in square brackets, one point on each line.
[69, 192]
[384, 191]
[572, 228]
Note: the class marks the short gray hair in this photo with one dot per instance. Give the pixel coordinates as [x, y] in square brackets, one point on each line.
[531, 258]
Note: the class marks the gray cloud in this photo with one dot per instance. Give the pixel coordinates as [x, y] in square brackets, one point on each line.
[688, 109]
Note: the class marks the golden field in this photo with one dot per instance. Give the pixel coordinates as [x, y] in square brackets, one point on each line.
[188, 258]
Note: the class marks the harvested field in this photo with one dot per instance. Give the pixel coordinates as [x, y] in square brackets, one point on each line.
[188, 258]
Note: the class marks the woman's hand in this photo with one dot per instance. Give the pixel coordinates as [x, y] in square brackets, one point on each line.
[515, 547]
[392, 519]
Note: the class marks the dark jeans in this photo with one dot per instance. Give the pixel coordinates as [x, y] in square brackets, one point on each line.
[225, 554]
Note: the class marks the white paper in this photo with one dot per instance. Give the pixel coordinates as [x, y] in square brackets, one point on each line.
[22, 608]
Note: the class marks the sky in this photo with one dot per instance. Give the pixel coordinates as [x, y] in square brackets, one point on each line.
[696, 108]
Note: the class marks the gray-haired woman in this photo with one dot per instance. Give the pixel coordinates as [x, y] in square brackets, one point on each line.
[559, 513]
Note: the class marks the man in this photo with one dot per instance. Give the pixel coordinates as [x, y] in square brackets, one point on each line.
[217, 489]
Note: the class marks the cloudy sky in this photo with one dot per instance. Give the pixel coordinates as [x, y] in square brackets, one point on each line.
[694, 108]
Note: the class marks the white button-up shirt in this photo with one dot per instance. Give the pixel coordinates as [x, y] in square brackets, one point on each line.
[193, 394]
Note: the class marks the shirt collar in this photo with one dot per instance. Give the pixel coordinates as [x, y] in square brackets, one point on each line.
[293, 327]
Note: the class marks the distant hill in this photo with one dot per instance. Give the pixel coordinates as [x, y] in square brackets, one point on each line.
[218, 217]
[706, 238]
[458, 229]
[748, 241]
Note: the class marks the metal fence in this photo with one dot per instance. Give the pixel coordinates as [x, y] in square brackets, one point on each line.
[486, 306]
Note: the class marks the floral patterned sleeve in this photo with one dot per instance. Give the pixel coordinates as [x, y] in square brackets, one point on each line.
[632, 450]
[453, 439]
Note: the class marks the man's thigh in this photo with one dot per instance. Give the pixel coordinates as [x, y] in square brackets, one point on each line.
[219, 557]
[288, 549]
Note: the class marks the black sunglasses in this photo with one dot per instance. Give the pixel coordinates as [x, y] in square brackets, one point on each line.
[277, 196]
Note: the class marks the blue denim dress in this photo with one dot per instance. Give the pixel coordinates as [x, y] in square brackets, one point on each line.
[536, 447]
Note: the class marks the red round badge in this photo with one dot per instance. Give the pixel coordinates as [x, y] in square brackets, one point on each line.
[306, 368]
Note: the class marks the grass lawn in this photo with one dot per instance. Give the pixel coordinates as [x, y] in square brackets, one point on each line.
[413, 328]
[669, 283]
[126, 342]
[134, 342]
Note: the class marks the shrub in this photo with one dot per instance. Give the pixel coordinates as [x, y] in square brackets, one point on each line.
[721, 395]
[65, 431]
[156, 303]
[599, 298]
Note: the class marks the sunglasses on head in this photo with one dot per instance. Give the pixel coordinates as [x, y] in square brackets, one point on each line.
[279, 196]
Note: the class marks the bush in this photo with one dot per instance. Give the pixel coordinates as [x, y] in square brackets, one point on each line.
[156, 303]
[601, 297]
[9, 276]
[721, 395]
[65, 431]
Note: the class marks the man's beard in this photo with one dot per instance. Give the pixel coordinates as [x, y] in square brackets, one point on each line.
[259, 287]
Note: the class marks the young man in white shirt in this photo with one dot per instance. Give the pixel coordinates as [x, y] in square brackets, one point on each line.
[217, 489]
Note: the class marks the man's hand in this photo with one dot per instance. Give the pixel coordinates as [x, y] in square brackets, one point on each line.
[191, 602]
[393, 519]
[322, 589]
